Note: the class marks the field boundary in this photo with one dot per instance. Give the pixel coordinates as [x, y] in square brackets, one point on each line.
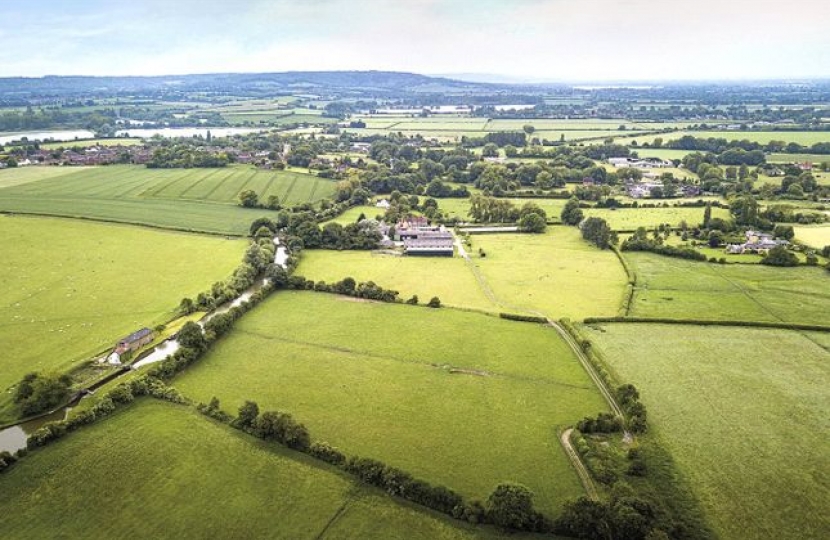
[707, 322]
[576, 462]
[117, 222]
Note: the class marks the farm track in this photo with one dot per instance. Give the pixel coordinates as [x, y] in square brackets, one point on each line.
[581, 471]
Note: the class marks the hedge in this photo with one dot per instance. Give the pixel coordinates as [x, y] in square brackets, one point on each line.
[523, 318]
[708, 322]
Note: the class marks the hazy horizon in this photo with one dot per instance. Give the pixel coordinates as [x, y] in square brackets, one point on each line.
[532, 41]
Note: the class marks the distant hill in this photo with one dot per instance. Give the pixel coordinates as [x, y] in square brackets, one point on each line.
[245, 83]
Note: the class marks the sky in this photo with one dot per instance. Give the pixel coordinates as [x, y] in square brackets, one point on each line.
[516, 40]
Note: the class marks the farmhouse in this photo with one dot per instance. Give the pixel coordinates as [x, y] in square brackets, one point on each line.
[645, 163]
[383, 203]
[756, 242]
[134, 341]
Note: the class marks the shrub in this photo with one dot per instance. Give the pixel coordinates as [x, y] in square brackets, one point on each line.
[434, 302]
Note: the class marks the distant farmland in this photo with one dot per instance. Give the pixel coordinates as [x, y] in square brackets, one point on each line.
[193, 199]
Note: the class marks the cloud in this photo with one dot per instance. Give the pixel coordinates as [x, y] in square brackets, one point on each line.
[534, 39]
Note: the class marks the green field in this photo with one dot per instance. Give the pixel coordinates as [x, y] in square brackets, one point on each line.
[798, 158]
[744, 414]
[25, 175]
[193, 199]
[806, 138]
[72, 288]
[557, 273]
[816, 236]
[450, 279]
[158, 470]
[629, 219]
[459, 399]
[677, 288]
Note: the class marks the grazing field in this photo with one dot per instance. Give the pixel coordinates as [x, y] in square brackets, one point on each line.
[458, 399]
[352, 214]
[806, 138]
[556, 273]
[71, 288]
[450, 279]
[195, 199]
[816, 236]
[799, 158]
[165, 471]
[743, 412]
[677, 288]
[629, 219]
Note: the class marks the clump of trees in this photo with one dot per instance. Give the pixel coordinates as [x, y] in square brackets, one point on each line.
[183, 156]
[629, 400]
[572, 213]
[603, 423]
[598, 232]
[37, 393]
[640, 241]
[780, 256]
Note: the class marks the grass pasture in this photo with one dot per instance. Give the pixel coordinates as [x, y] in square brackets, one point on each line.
[450, 279]
[193, 199]
[677, 288]
[629, 219]
[816, 236]
[459, 399]
[161, 469]
[743, 412]
[556, 273]
[72, 288]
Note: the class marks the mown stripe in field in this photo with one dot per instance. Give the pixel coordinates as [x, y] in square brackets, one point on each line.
[289, 189]
[199, 181]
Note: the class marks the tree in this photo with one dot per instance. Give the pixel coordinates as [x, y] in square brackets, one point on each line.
[434, 302]
[511, 506]
[247, 414]
[249, 199]
[572, 213]
[597, 231]
[533, 223]
[529, 129]
[37, 393]
[490, 150]
[784, 231]
[186, 306]
[191, 336]
[780, 256]
[707, 215]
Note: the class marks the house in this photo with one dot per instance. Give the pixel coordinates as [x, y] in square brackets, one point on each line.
[360, 147]
[805, 166]
[644, 163]
[756, 242]
[134, 341]
[383, 203]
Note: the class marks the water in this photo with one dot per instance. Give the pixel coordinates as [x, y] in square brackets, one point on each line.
[72, 135]
[162, 351]
[14, 438]
[185, 132]
[61, 136]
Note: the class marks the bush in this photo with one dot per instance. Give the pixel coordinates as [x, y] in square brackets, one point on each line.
[434, 302]
[38, 393]
[780, 256]
[510, 506]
